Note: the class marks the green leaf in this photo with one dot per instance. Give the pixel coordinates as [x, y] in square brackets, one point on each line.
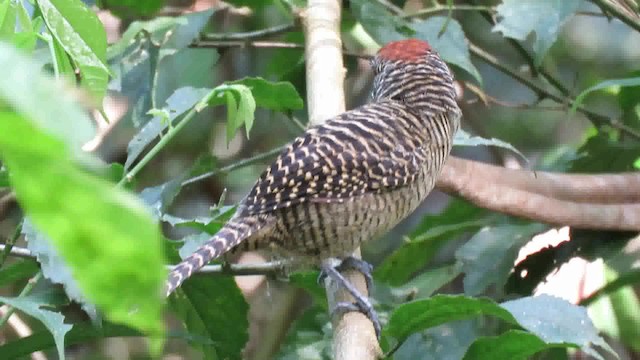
[215, 308]
[556, 321]
[488, 257]
[52, 320]
[55, 194]
[630, 82]
[463, 138]
[513, 345]
[241, 107]
[17, 271]
[600, 153]
[433, 232]
[79, 31]
[4, 177]
[128, 9]
[615, 308]
[518, 18]
[46, 103]
[232, 114]
[429, 282]
[418, 315]
[182, 100]
[278, 96]
[451, 45]
[8, 12]
[378, 22]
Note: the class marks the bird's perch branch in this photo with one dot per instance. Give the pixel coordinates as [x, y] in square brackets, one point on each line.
[354, 336]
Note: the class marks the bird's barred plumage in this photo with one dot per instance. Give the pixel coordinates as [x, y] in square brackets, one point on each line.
[356, 175]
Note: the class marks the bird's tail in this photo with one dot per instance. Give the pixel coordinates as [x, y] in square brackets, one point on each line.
[231, 234]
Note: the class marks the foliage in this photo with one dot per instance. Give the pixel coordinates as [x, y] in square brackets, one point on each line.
[95, 227]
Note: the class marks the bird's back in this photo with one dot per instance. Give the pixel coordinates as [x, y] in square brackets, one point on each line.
[350, 179]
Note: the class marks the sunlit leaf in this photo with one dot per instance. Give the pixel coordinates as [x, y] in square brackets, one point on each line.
[26, 89]
[556, 321]
[55, 194]
[78, 30]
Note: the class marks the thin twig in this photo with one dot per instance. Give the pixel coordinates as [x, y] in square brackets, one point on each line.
[9, 244]
[619, 14]
[594, 117]
[250, 35]
[266, 268]
[439, 9]
[25, 291]
[242, 163]
[264, 45]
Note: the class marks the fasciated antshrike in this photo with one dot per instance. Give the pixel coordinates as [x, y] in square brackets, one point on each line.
[353, 177]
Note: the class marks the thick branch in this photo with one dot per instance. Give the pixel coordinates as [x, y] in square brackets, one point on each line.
[580, 188]
[467, 179]
[354, 336]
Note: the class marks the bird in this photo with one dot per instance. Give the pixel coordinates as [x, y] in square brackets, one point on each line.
[353, 177]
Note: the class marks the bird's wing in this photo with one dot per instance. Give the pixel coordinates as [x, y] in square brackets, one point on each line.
[347, 156]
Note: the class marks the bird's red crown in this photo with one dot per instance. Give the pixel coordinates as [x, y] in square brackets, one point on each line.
[410, 50]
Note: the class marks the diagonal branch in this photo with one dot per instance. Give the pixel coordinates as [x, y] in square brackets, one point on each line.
[479, 184]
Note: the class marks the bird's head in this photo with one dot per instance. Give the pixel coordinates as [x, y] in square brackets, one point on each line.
[407, 69]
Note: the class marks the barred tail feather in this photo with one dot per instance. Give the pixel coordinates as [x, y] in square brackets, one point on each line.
[231, 234]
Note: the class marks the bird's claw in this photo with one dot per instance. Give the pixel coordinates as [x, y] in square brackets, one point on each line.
[361, 303]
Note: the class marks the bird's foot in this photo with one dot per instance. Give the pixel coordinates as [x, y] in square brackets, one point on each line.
[361, 303]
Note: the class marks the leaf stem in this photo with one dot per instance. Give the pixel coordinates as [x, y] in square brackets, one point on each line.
[619, 14]
[25, 291]
[9, 244]
[165, 139]
[242, 163]
[265, 268]
[250, 35]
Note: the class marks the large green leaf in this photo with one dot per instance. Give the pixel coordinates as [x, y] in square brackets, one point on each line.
[104, 234]
[79, 31]
[556, 321]
[17, 271]
[518, 18]
[512, 345]
[488, 257]
[418, 315]
[53, 321]
[214, 307]
[46, 103]
[433, 232]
